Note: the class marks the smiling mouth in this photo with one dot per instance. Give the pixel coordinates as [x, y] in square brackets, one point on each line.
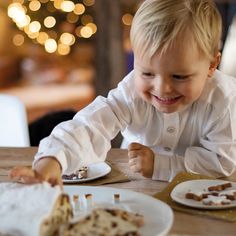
[167, 101]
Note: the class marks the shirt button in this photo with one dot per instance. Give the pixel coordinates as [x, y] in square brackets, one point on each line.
[170, 129]
[167, 149]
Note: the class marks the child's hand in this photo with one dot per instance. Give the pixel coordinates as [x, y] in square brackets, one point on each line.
[141, 159]
[46, 169]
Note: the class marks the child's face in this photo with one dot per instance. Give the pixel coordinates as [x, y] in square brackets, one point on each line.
[174, 80]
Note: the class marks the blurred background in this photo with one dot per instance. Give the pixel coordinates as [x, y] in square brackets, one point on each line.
[61, 54]
[57, 55]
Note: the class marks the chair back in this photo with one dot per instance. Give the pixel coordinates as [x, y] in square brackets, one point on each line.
[14, 130]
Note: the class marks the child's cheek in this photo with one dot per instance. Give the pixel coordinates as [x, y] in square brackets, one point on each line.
[144, 93]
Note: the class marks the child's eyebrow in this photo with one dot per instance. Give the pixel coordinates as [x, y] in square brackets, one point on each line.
[144, 67]
[184, 73]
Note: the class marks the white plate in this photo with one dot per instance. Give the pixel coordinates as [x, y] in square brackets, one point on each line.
[201, 185]
[158, 216]
[95, 171]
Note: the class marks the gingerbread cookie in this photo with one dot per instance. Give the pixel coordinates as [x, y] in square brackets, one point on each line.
[82, 173]
[194, 196]
[229, 194]
[220, 187]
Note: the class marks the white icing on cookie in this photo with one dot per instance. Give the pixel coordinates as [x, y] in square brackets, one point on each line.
[216, 200]
[228, 192]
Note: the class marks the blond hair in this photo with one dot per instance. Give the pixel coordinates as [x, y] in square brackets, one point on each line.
[157, 23]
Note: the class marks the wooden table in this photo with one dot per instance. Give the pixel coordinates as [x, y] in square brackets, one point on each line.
[184, 224]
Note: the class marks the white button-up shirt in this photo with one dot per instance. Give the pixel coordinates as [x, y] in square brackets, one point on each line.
[200, 139]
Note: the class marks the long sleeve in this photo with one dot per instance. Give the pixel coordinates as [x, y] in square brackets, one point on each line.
[81, 141]
[217, 154]
[86, 138]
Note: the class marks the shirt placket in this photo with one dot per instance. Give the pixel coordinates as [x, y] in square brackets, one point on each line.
[170, 132]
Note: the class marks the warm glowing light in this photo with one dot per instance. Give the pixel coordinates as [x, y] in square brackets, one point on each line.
[86, 32]
[50, 45]
[67, 38]
[59, 36]
[16, 12]
[18, 39]
[42, 37]
[34, 26]
[24, 22]
[79, 9]
[34, 5]
[33, 35]
[26, 29]
[127, 19]
[67, 6]
[72, 17]
[93, 27]
[13, 9]
[57, 4]
[63, 49]
[49, 22]
[19, 1]
[88, 2]
[85, 19]
[78, 30]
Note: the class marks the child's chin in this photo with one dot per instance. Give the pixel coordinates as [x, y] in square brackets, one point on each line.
[170, 109]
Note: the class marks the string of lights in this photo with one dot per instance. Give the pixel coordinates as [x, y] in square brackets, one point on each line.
[54, 24]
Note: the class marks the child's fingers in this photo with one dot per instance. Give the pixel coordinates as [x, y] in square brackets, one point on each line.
[20, 171]
[24, 175]
[132, 161]
[134, 146]
[132, 154]
[135, 164]
[28, 180]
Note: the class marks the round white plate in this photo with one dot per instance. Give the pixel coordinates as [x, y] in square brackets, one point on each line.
[158, 216]
[95, 171]
[201, 185]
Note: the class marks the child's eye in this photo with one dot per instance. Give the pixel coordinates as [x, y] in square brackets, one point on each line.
[179, 77]
[147, 74]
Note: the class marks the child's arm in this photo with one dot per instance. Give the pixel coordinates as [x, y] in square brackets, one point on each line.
[46, 169]
[141, 159]
[86, 138]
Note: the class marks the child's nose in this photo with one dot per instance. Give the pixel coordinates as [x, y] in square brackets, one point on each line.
[163, 85]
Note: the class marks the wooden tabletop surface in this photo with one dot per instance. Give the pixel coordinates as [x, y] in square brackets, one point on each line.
[184, 224]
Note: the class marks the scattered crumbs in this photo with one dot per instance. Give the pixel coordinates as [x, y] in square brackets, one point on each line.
[81, 173]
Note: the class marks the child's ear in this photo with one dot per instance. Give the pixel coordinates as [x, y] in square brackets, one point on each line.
[214, 64]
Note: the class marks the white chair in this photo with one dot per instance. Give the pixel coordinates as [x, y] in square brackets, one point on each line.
[228, 61]
[14, 130]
